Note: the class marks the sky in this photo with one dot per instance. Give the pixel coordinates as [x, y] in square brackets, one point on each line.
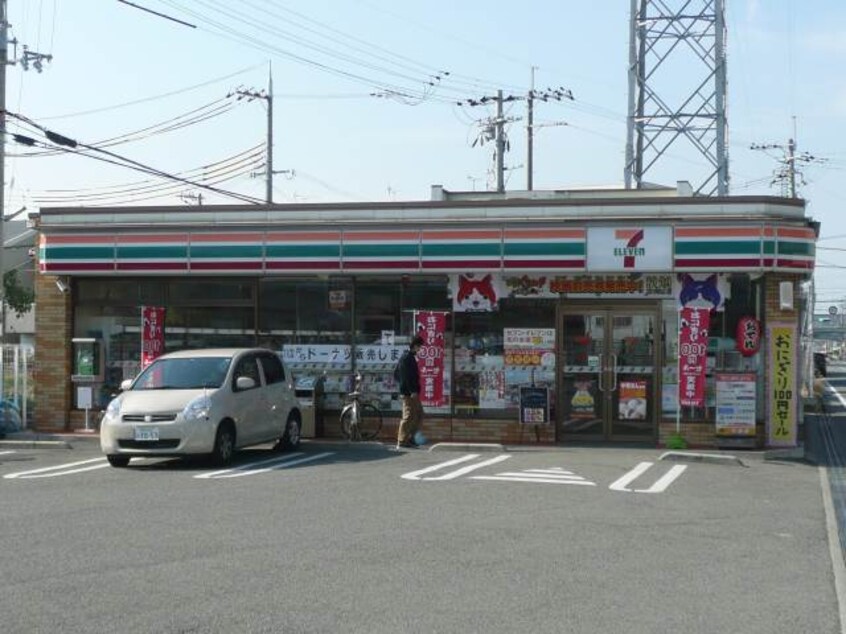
[370, 101]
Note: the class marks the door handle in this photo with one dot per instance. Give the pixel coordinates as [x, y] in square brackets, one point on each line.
[614, 374]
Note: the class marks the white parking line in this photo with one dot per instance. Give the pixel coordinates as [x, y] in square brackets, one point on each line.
[61, 469]
[7, 451]
[451, 475]
[543, 476]
[249, 469]
[660, 485]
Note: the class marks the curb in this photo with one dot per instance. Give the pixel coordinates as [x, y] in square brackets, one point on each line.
[47, 441]
[701, 457]
[467, 446]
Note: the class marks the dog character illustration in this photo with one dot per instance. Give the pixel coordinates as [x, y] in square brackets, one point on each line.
[692, 290]
[476, 294]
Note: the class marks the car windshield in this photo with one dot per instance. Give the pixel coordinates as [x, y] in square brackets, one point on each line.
[183, 374]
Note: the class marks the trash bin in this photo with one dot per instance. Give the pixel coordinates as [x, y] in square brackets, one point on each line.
[309, 392]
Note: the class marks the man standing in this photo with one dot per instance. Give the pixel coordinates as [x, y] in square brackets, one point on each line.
[409, 388]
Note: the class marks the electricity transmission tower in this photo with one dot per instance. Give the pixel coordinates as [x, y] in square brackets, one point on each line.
[677, 89]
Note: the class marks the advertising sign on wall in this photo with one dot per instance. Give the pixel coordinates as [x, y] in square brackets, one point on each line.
[735, 404]
[152, 333]
[527, 347]
[693, 355]
[430, 359]
[781, 400]
[632, 405]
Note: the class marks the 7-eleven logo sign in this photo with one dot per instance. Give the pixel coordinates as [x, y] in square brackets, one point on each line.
[633, 238]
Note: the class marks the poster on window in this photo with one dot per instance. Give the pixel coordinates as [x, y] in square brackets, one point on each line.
[632, 400]
[152, 333]
[735, 404]
[431, 325]
[583, 403]
[492, 390]
[693, 355]
[781, 400]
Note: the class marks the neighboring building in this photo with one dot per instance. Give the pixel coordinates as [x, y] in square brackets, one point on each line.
[575, 294]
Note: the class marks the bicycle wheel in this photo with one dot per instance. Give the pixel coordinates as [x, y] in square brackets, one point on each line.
[369, 421]
[346, 423]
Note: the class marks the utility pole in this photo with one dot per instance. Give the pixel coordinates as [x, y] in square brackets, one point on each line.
[28, 57]
[786, 174]
[500, 145]
[267, 96]
[493, 128]
[530, 102]
[269, 170]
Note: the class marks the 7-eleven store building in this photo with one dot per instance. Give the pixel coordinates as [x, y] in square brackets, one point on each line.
[557, 319]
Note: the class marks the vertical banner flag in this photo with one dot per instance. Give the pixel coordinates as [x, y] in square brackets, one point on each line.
[693, 355]
[152, 333]
[431, 325]
[781, 422]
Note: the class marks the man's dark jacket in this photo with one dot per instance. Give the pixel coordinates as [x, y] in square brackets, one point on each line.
[409, 380]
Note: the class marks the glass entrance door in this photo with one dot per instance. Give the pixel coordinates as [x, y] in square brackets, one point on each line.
[607, 380]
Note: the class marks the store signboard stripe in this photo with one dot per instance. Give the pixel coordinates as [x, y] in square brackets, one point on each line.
[450, 250]
[152, 266]
[378, 265]
[539, 263]
[461, 265]
[79, 253]
[717, 263]
[153, 238]
[302, 265]
[380, 250]
[149, 251]
[723, 232]
[304, 236]
[794, 264]
[78, 267]
[542, 248]
[795, 248]
[227, 266]
[791, 232]
[77, 239]
[380, 236]
[693, 248]
[246, 238]
[462, 234]
[303, 250]
[219, 251]
[542, 233]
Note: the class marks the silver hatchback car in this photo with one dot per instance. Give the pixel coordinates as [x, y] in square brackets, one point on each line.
[202, 402]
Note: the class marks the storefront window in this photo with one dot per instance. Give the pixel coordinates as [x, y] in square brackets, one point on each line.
[496, 353]
[723, 355]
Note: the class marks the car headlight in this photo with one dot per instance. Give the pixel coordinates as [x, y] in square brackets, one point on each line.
[197, 409]
[113, 409]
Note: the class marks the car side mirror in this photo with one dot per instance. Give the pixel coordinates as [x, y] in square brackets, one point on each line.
[125, 385]
[244, 383]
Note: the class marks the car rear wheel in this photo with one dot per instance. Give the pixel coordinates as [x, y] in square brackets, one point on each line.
[118, 461]
[291, 436]
[224, 444]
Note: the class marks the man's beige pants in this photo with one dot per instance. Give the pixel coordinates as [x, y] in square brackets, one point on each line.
[412, 415]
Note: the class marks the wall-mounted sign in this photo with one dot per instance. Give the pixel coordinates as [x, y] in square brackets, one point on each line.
[702, 291]
[629, 249]
[590, 286]
[781, 401]
[475, 293]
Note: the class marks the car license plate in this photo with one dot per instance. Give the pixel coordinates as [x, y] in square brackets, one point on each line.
[146, 433]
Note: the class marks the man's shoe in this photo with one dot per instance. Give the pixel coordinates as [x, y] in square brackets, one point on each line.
[406, 445]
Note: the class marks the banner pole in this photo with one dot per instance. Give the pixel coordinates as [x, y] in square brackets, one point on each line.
[678, 371]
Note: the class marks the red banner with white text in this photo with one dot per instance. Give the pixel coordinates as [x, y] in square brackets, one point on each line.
[693, 355]
[431, 325]
[152, 333]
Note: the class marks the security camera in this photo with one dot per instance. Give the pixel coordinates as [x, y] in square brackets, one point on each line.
[62, 286]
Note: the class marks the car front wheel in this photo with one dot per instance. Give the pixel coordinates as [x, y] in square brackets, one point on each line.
[224, 444]
[118, 461]
[291, 436]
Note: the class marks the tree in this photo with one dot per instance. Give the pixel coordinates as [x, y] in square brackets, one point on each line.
[18, 298]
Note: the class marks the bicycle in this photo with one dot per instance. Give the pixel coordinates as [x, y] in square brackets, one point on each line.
[360, 420]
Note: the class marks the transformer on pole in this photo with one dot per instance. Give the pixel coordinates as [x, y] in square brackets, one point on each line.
[677, 91]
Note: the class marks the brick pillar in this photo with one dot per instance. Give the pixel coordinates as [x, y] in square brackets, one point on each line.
[53, 331]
